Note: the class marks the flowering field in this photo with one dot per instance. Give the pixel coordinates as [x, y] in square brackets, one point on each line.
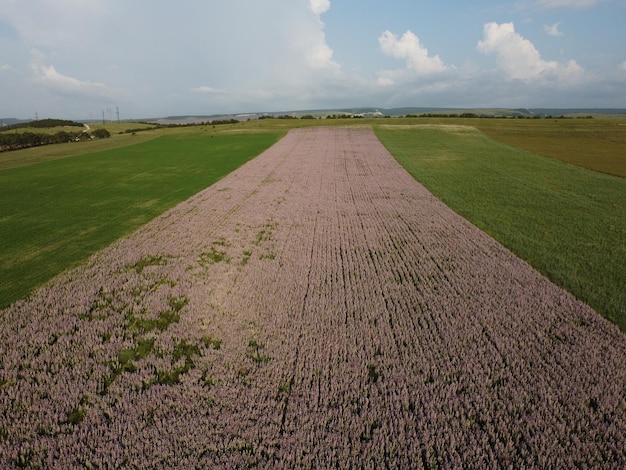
[315, 308]
[567, 222]
[56, 213]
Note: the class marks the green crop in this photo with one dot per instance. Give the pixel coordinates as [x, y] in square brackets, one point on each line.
[566, 221]
[55, 213]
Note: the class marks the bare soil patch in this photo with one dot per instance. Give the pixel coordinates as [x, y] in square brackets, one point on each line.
[315, 308]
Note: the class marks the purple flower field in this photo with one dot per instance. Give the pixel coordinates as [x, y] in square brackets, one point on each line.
[317, 308]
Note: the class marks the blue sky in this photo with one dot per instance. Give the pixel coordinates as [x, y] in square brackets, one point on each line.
[77, 58]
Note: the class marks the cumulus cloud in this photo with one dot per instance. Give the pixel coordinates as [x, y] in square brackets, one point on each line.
[410, 49]
[319, 6]
[518, 57]
[48, 76]
[205, 89]
[59, 22]
[241, 56]
[385, 79]
[553, 29]
[319, 54]
[230, 48]
[554, 4]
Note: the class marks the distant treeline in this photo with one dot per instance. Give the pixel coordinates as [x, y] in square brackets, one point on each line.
[22, 140]
[167, 126]
[283, 116]
[492, 116]
[43, 124]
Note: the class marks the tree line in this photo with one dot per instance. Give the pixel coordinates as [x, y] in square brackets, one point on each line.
[43, 124]
[22, 140]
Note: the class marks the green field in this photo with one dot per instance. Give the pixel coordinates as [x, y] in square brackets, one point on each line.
[45, 153]
[566, 221]
[60, 203]
[597, 144]
[55, 213]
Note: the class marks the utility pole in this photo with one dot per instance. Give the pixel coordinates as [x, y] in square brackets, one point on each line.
[103, 116]
[118, 114]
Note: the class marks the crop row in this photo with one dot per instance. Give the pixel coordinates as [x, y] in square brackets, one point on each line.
[316, 308]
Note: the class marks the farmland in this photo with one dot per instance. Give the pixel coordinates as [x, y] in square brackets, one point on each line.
[51, 152]
[598, 144]
[317, 307]
[57, 211]
[567, 222]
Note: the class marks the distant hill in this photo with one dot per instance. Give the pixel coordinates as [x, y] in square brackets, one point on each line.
[38, 124]
[4, 122]
[577, 111]
[505, 112]
[420, 111]
[7, 123]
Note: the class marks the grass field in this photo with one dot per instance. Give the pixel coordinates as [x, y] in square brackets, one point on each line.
[55, 213]
[68, 200]
[597, 144]
[566, 221]
[45, 153]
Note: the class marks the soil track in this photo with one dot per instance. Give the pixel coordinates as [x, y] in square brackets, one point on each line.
[315, 308]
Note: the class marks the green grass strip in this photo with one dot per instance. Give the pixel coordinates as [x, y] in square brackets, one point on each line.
[567, 222]
[56, 213]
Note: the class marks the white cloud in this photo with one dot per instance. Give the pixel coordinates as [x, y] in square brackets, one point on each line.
[319, 6]
[48, 76]
[244, 56]
[409, 48]
[570, 72]
[219, 53]
[319, 55]
[554, 4]
[206, 89]
[553, 30]
[385, 81]
[518, 57]
[622, 66]
[57, 22]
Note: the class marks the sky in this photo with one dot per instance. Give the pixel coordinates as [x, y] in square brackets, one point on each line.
[78, 59]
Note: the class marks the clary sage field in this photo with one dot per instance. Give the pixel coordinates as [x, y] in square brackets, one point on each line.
[317, 307]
